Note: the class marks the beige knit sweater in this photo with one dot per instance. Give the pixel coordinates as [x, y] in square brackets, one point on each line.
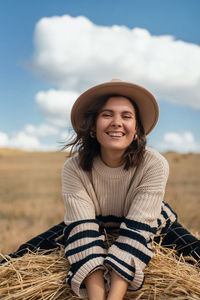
[131, 200]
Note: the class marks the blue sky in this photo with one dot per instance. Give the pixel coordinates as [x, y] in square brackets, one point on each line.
[46, 61]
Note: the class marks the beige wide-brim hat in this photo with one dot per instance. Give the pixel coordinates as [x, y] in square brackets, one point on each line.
[145, 101]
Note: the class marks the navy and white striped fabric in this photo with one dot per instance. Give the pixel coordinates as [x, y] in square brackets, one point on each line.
[128, 255]
[131, 252]
[84, 248]
[167, 217]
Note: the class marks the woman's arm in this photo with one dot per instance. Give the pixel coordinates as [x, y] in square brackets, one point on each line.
[95, 285]
[84, 245]
[96, 288]
[118, 287]
[132, 251]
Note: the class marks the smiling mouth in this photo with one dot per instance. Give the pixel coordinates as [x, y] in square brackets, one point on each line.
[115, 134]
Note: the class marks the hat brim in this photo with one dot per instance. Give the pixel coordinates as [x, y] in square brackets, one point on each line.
[145, 101]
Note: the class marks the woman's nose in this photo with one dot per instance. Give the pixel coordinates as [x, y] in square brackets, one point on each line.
[116, 122]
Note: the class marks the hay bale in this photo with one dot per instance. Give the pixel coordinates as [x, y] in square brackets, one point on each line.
[35, 276]
[39, 276]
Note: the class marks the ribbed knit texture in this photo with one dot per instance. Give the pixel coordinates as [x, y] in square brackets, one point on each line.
[131, 200]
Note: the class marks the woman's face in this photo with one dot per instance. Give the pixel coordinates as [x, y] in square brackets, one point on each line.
[116, 125]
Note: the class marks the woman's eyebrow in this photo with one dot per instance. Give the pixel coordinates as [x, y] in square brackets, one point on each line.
[110, 110]
[105, 109]
[127, 112]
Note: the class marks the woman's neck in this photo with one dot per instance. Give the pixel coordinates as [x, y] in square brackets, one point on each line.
[112, 159]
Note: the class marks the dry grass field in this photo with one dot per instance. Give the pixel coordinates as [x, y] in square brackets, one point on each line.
[31, 202]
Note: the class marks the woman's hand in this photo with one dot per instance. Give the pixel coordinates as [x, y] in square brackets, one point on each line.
[95, 285]
[118, 287]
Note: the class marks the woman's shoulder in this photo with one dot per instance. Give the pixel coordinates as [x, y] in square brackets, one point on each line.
[154, 153]
[72, 162]
[153, 157]
[72, 170]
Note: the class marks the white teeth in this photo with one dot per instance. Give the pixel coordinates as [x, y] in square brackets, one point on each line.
[118, 134]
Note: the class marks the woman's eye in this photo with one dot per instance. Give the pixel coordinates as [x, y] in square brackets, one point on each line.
[106, 115]
[127, 117]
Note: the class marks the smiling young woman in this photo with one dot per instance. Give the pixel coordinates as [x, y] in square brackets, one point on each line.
[115, 129]
[114, 180]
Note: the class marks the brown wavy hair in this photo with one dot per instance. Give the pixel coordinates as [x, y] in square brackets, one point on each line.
[88, 148]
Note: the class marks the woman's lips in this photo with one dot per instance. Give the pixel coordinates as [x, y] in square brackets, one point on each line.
[115, 133]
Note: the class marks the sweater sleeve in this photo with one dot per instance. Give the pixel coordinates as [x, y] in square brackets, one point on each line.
[84, 247]
[132, 251]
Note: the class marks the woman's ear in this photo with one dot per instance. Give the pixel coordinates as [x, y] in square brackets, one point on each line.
[93, 134]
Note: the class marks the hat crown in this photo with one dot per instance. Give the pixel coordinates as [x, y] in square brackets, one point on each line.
[116, 80]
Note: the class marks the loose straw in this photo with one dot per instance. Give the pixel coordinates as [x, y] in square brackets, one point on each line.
[40, 276]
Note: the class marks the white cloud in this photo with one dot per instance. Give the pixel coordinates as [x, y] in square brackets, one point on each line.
[74, 53]
[29, 138]
[179, 142]
[42, 130]
[20, 140]
[24, 141]
[66, 135]
[55, 105]
[3, 139]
